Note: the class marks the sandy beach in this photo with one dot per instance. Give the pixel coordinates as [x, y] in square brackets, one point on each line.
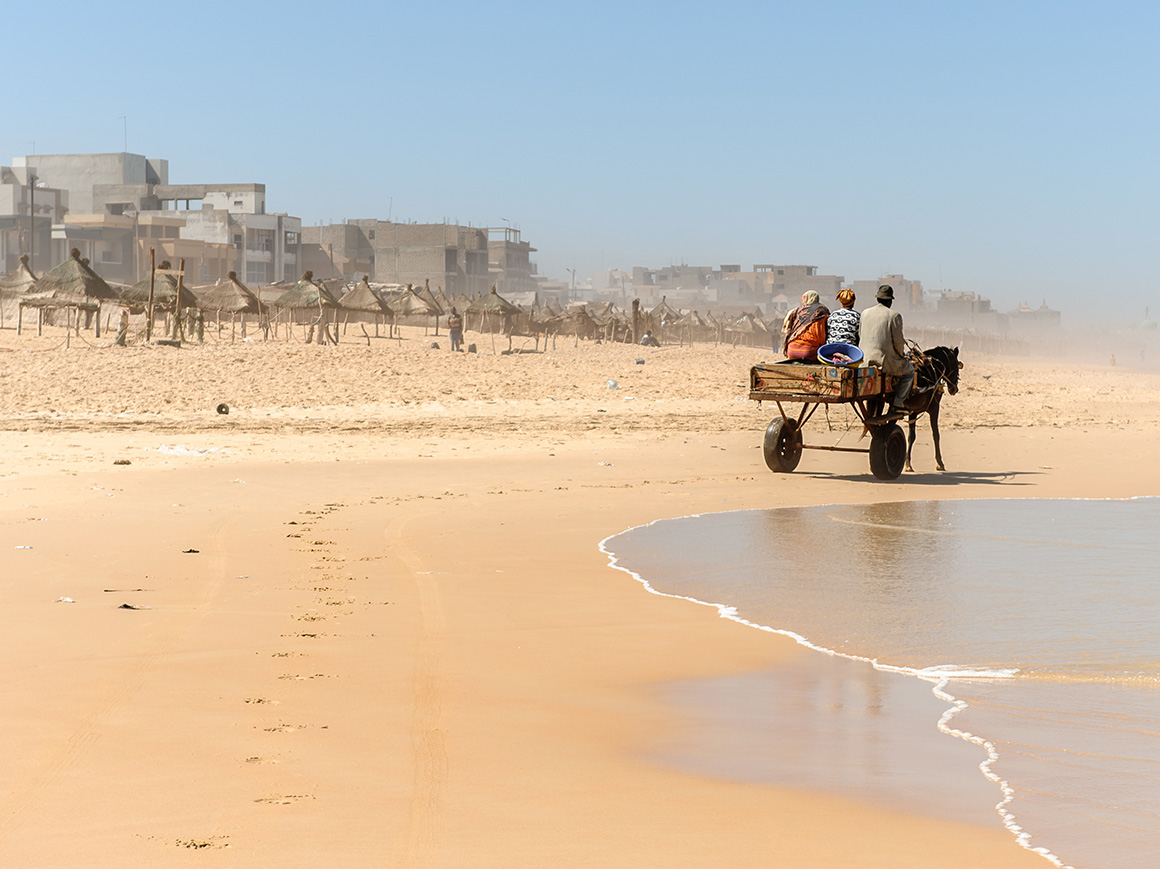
[363, 618]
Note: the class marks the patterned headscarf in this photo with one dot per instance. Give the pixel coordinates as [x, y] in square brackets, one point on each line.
[809, 297]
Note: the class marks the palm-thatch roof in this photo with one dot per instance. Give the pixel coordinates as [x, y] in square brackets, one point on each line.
[230, 296]
[407, 303]
[493, 303]
[425, 292]
[746, 324]
[164, 291]
[664, 312]
[693, 320]
[70, 283]
[363, 298]
[20, 281]
[307, 293]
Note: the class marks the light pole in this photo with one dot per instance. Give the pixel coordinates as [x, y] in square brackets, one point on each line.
[32, 223]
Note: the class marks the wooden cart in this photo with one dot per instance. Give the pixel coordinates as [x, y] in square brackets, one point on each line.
[864, 388]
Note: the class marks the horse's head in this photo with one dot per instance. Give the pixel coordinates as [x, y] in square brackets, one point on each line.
[951, 367]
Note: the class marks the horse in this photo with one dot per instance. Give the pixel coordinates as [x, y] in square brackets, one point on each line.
[935, 369]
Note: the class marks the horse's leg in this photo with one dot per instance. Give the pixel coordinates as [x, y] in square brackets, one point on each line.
[910, 439]
[934, 406]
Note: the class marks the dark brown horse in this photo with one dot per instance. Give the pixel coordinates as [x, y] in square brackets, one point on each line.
[935, 369]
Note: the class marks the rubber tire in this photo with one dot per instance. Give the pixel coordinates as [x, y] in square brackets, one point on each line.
[783, 446]
[887, 451]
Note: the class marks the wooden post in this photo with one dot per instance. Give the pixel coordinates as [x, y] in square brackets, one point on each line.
[636, 321]
[149, 309]
[39, 321]
[19, 316]
[177, 301]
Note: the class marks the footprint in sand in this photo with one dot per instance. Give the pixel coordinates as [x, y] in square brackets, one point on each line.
[256, 759]
[284, 800]
[199, 844]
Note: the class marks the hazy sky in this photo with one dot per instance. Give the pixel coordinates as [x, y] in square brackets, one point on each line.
[1008, 148]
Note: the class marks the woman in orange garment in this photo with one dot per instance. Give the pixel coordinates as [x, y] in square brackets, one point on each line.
[805, 328]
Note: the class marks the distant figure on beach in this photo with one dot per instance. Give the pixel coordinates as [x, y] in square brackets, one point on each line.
[885, 347]
[122, 329]
[844, 324]
[455, 330]
[804, 329]
[647, 340]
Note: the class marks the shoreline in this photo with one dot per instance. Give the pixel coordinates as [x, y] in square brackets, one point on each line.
[442, 669]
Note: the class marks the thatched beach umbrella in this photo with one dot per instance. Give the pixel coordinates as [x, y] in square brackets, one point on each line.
[492, 308]
[229, 296]
[364, 300]
[310, 295]
[72, 284]
[16, 285]
[747, 328]
[164, 292]
[307, 294]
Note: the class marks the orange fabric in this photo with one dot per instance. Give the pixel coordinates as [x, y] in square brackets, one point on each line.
[806, 344]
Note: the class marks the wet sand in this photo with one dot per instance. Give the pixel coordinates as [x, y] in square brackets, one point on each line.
[397, 642]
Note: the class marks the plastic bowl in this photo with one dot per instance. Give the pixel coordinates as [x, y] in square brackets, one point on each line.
[826, 353]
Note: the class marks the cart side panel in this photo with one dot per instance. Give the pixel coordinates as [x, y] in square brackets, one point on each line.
[825, 382]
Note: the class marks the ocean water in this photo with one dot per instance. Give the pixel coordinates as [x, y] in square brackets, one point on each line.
[1024, 633]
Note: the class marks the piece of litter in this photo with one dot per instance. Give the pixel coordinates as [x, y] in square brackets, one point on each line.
[122, 462]
[190, 551]
[611, 384]
[23, 547]
[239, 480]
[129, 606]
[629, 398]
[241, 576]
[65, 600]
[605, 464]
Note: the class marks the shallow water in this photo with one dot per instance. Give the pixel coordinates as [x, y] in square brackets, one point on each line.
[1041, 616]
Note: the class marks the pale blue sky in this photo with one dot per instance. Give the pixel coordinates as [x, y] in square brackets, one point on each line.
[1005, 148]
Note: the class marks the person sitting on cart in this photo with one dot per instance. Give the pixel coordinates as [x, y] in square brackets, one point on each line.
[843, 324]
[885, 348]
[805, 328]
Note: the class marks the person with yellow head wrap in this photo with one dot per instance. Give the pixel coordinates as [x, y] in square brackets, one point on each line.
[844, 324]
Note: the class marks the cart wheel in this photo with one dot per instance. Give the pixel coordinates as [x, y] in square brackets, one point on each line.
[783, 445]
[887, 451]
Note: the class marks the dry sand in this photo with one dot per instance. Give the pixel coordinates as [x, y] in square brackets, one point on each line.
[397, 643]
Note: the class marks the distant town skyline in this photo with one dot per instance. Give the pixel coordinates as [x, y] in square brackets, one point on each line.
[1003, 149]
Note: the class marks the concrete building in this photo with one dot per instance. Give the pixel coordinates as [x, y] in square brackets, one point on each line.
[908, 295]
[29, 206]
[509, 259]
[454, 257]
[729, 286]
[118, 203]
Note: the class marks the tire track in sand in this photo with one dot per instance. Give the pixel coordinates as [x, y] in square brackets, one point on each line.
[430, 755]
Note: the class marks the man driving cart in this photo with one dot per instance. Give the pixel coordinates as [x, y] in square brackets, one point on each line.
[884, 347]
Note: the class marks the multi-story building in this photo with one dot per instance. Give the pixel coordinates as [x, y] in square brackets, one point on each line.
[510, 265]
[908, 295]
[120, 205]
[454, 257]
[765, 285]
[29, 207]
